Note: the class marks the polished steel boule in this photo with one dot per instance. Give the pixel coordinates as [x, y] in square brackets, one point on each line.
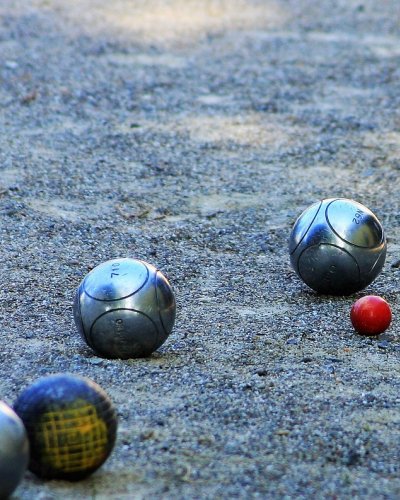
[124, 308]
[337, 246]
[14, 450]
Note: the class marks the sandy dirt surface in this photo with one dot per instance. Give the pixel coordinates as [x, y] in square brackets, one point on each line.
[191, 134]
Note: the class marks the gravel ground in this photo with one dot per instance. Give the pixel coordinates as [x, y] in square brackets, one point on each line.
[191, 134]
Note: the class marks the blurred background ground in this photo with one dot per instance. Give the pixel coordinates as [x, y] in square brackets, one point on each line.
[191, 135]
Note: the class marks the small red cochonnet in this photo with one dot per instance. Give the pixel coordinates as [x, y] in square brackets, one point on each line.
[371, 315]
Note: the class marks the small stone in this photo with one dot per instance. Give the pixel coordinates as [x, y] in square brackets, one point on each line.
[282, 432]
[353, 458]
[11, 64]
[384, 344]
[95, 361]
[147, 434]
[335, 360]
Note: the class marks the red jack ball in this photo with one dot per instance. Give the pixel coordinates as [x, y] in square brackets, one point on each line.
[371, 315]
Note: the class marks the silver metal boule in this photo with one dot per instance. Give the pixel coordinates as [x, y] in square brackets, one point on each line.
[14, 450]
[337, 246]
[124, 308]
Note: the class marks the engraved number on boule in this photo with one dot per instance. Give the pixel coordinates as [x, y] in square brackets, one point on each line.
[358, 216]
[115, 269]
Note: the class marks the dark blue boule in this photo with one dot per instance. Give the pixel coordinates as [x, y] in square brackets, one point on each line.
[71, 425]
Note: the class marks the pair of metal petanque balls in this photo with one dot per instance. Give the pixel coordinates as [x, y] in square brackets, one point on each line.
[124, 308]
[337, 246]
